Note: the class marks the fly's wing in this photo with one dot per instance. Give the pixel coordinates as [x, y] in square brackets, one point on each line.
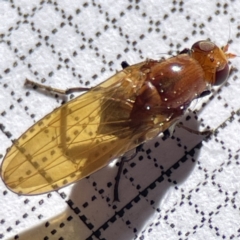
[76, 139]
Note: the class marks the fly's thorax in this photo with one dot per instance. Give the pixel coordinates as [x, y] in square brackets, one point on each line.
[178, 80]
[170, 86]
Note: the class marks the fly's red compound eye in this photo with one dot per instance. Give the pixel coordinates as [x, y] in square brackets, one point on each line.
[221, 75]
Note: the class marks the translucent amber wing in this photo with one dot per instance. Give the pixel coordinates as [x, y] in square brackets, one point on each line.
[74, 140]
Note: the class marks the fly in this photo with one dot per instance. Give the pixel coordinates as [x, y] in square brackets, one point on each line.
[131, 107]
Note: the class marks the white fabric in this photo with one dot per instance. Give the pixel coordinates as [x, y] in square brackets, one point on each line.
[43, 34]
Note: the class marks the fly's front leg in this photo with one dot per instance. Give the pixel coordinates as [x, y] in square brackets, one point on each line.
[118, 176]
[55, 90]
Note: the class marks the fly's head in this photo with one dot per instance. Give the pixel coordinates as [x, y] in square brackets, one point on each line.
[213, 60]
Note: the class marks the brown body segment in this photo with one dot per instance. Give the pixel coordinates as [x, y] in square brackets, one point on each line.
[169, 88]
[134, 105]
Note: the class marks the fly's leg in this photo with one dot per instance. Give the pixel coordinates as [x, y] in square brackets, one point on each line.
[120, 168]
[204, 133]
[56, 90]
[124, 64]
[186, 51]
[166, 134]
[204, 94]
